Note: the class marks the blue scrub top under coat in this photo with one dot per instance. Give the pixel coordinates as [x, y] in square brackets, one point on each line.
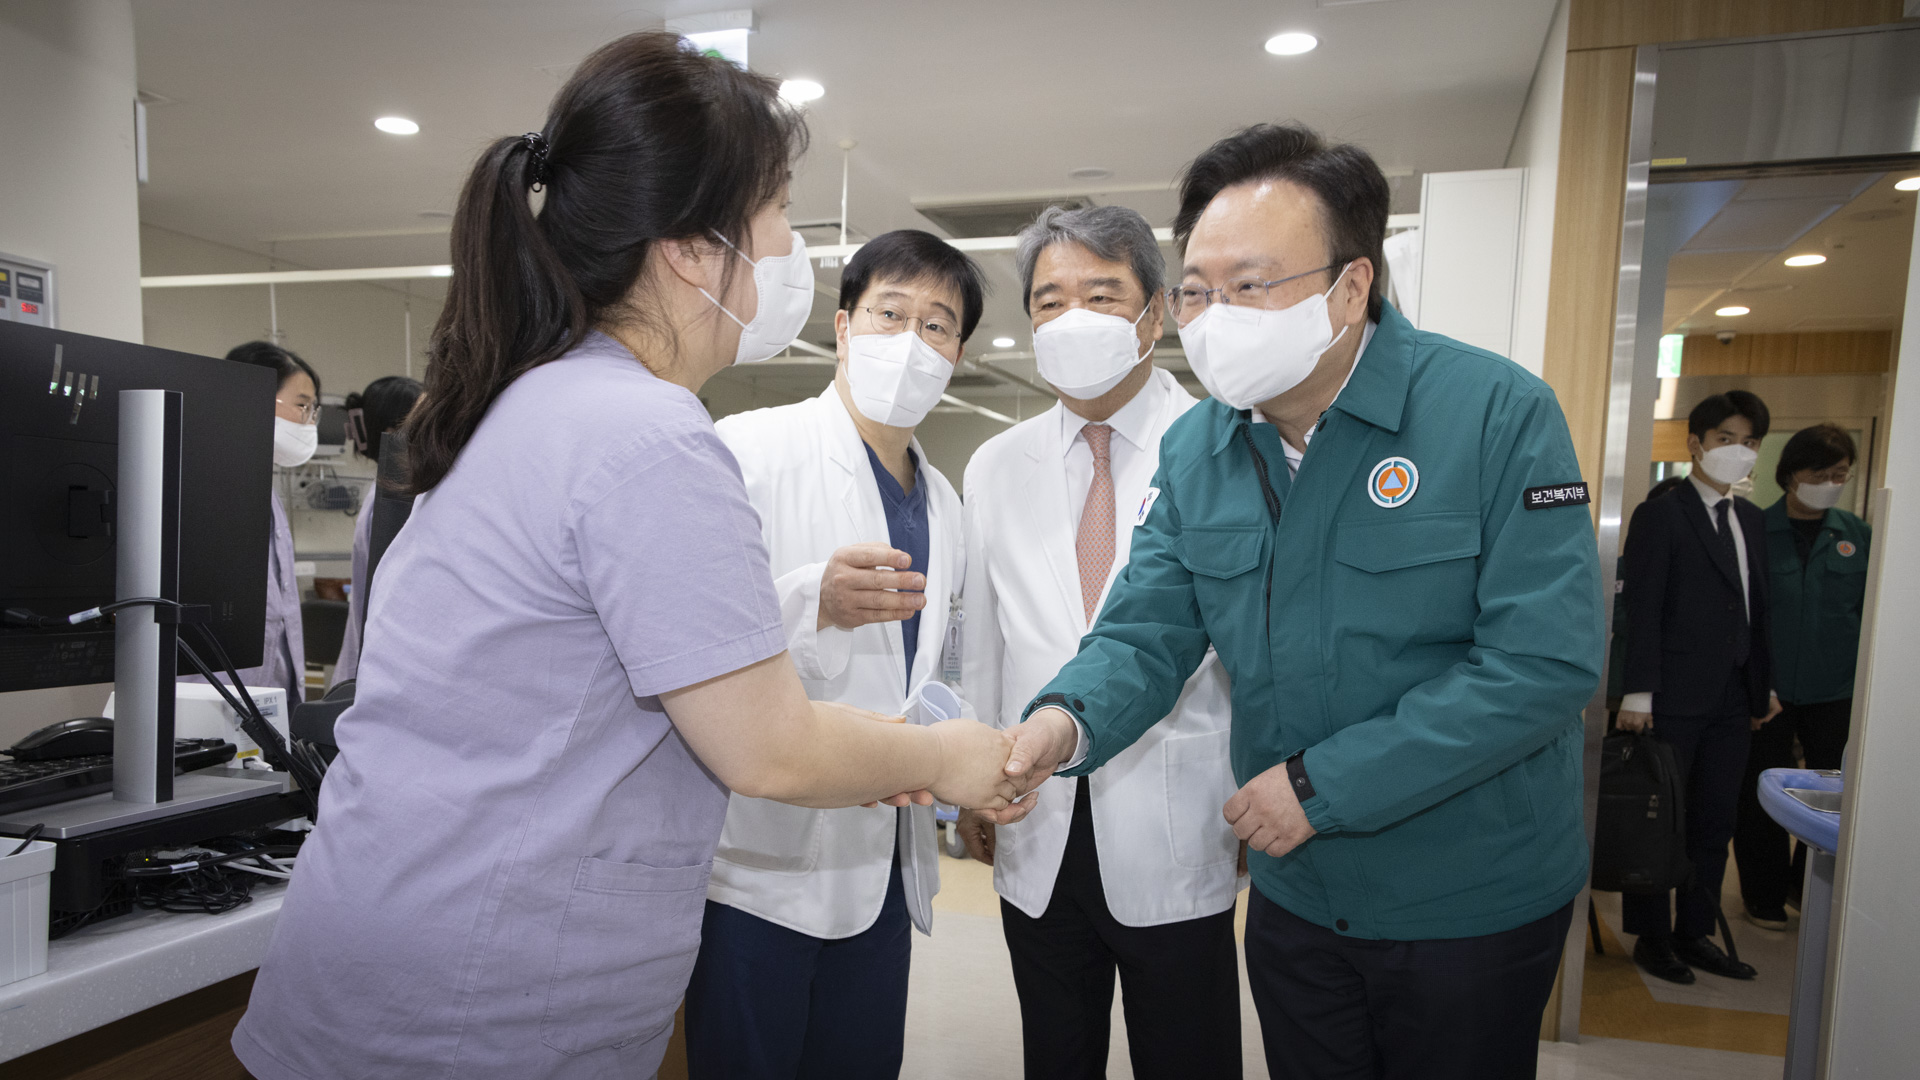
[906, 530]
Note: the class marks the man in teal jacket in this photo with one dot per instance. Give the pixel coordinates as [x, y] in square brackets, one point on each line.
[1384, 534]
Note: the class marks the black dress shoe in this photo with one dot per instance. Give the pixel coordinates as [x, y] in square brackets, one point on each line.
[1705, 955]
[1774, 918]
[1657, 958]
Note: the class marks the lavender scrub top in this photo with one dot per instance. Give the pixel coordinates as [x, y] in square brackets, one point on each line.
[511, 861]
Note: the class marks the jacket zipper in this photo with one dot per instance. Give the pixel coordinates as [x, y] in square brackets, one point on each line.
[1273, 511]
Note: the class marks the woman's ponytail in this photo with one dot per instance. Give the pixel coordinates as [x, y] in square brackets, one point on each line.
[648, 141]
[510, 307]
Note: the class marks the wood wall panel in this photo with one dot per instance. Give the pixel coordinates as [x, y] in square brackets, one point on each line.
[1670, 441]
[1770, 354]
[1605, 24]
[1841, 352]
[1845, 353]
[1703, 354]
[1589, 197]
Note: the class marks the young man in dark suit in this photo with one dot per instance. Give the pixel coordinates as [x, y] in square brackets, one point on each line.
[1699, 667]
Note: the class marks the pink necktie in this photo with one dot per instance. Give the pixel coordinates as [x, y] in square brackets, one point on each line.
[1094, 544]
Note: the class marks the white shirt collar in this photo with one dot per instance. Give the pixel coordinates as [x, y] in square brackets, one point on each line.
[1707, 494]
[1133, 421]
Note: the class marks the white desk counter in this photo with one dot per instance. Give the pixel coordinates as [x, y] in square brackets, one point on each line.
[116, 968]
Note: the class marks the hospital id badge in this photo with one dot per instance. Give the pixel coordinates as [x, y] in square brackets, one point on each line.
[950, 651]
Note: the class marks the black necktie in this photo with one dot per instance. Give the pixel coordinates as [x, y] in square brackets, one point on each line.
[1726, 524]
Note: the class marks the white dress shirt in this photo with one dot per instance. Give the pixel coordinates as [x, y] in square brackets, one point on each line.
[1642, 701]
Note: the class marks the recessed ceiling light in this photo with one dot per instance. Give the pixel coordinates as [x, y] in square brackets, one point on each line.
[397, 125]
[1730, 312]
[1292, 44]
[1911, 183]
[1089, 172]
[1003, 343]
[1806, 260]
[801, 91]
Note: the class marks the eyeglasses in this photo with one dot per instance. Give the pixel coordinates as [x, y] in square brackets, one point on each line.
[308, 412]
[937, 331]
[1188, 301]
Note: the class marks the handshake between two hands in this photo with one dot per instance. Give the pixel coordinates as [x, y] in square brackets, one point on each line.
[994, 774]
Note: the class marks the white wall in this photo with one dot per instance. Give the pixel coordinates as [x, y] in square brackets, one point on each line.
[1536, 146]
[68, 196]
[351, 332]
[68, 193]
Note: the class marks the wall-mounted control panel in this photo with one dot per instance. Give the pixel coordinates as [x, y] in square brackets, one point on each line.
[26, 291]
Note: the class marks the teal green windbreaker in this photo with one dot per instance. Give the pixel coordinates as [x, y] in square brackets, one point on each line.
[1398, 612]
[1816, 605]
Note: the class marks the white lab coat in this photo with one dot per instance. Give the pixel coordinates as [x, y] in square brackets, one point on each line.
[825, 872]
[1166, 852]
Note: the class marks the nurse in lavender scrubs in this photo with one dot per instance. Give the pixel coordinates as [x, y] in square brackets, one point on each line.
[296, 403]
[576, 649]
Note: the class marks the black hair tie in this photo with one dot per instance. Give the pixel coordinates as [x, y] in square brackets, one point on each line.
[537, 146]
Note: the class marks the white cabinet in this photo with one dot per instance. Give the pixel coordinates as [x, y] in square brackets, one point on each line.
[1471, 225]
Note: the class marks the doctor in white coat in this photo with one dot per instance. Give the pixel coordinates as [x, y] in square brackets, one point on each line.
[803, 959]
[1135, 868]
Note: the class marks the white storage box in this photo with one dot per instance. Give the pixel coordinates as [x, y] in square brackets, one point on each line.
[24, 883]
[199, 712]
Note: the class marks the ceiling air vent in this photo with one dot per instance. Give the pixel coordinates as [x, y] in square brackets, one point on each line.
[1001, 217]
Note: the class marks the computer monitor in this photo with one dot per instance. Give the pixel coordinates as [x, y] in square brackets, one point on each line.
[59, 433]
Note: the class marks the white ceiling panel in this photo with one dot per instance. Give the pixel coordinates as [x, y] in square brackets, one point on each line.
[1760, 224]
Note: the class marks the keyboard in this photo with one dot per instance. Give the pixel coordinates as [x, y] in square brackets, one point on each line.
[27, 784]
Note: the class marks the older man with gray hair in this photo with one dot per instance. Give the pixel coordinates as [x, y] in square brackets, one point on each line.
[1134, 869]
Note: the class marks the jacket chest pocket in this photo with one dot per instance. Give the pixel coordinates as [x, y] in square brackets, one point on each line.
[1226, 562]
[1416, 572]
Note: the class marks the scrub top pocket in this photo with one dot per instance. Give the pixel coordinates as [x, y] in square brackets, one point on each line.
[626, 949]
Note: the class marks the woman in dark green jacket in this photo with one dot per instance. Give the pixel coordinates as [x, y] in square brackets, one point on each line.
[1818, 556]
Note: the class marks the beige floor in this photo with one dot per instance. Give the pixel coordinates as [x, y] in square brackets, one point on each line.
[963, 1020]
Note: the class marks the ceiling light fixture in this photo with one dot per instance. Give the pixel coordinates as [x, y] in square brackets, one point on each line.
[397, 125]
[1731, 312]
[801, 91]
[1911, 183]
[1806, 260]
[1292, 44]
[1089, 172]
[1003, 343]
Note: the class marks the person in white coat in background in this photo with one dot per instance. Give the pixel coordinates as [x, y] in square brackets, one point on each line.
[804, 951]
[1135, 868]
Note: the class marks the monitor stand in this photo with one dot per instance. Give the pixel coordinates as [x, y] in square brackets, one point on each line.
[146, 641]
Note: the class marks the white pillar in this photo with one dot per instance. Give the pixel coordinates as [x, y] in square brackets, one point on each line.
[1875, 947]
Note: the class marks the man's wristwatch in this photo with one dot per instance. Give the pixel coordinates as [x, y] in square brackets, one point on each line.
[1073, 707]
[1297, 776]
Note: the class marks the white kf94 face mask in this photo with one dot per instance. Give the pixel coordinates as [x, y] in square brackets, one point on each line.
[293, 443]
[895, 379]
[1729, 464]
[1246, 355]
[785, 287]
[1819, 496]
[1084, 353]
